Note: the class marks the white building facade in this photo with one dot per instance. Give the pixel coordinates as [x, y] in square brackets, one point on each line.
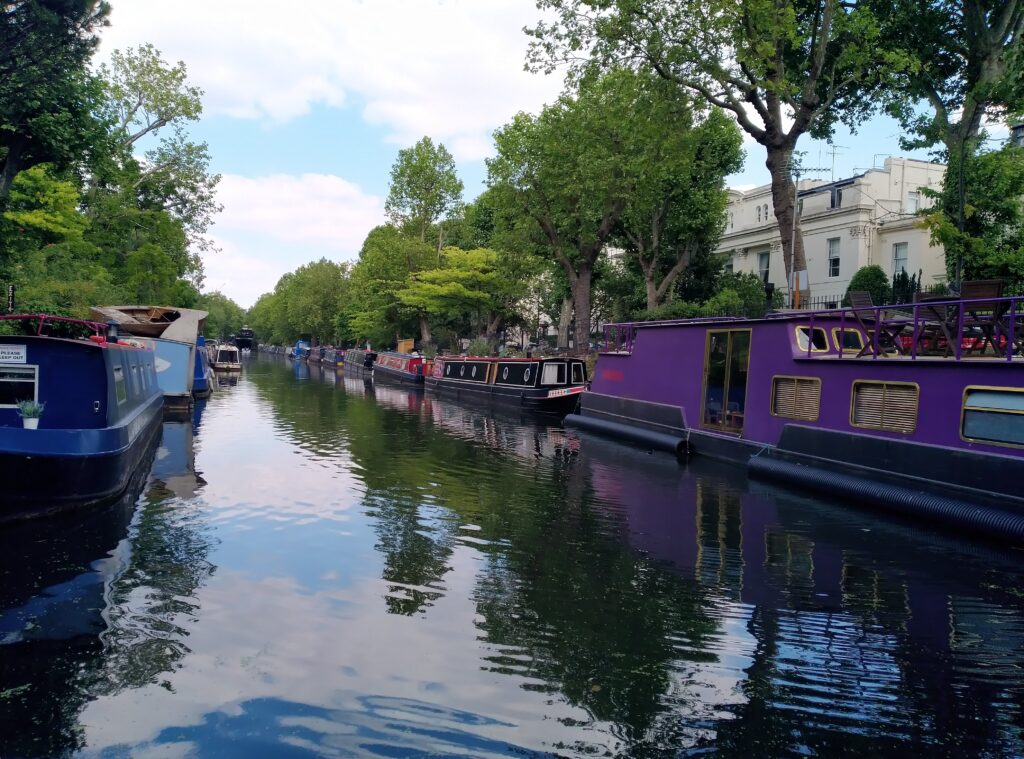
[846, 224]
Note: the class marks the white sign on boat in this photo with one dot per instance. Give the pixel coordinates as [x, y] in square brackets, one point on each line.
[13, 354]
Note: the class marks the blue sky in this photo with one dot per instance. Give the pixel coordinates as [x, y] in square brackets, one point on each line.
[305, 111]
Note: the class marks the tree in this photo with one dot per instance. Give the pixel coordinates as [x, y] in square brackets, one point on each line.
[568, 171]
[386, 261]
[782, 69]
[314, 297]
[47, 98]
[677, 208]
[424, 187]
[871, 279]
[225, 316]
[988, 242]
[967, 67]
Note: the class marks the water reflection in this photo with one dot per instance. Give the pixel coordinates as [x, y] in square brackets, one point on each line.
[350, 568]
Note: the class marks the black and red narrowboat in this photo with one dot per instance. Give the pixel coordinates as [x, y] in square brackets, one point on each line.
[408, 368]
[545, 385]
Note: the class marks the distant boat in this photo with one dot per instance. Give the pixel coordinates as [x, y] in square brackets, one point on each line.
[101, 410]
[409, 368]
[359, 361]
[174, 332]
[300, 352]
[545, 385]
[246, 339]
[227, 359]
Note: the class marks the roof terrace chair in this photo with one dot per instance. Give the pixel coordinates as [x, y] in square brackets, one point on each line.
[936, 322]
[982, 313]
[889, 324]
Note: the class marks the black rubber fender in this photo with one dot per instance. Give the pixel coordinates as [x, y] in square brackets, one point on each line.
[937, 509]
[658, 441]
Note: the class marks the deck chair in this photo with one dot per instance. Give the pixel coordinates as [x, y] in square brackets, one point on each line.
[986, 315]
[889, 324]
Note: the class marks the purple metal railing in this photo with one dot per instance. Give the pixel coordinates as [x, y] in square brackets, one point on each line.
[992, 321]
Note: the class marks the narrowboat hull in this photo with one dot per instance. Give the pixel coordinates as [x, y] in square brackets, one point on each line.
[49, 470]
[559, 401]
[396, 375]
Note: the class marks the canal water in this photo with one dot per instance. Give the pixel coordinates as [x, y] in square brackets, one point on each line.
[319, 566]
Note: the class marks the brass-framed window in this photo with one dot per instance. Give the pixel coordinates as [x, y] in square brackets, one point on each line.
[818, 339]
[993, 415]
[796, 397]
[845, 343]
[889, 406]
[724, 390]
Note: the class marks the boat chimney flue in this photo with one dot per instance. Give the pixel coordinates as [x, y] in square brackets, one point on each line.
[111, 332]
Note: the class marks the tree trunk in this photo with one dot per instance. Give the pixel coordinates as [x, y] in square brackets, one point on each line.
[652, 289]
[784, 203]
[493, 325]
[581, 298]
[13, 163]
[424, 331]
[564, 319]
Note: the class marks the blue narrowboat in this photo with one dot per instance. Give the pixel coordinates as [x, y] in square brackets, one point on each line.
[101, 410]
[203, 381]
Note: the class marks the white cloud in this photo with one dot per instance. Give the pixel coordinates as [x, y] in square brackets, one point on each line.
[272, 225]
[452, 69]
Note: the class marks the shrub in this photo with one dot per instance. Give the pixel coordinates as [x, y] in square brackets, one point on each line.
[872, 279]
[478, 346]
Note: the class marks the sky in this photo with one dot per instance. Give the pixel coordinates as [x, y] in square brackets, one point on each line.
[306, 106]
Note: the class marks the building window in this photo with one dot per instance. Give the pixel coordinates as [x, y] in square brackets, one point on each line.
[899, 257]
[759, 214]
[766, 212]
[732, 220]
[837, 198]
[763, 260]
[913, 202]
[729, 268]
[833, 257]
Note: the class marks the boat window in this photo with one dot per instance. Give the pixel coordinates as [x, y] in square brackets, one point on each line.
[17, 383]
[119, 388]
[796, 397]
[993, 415]
[135, 379]
[553, 374]
[725, 379]
[578, 375]
[850, 341]
[890, 406]
[819, 340]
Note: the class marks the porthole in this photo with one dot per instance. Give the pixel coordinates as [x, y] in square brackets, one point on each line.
[473, 373]
[448, 370]
[526, 375]
[462, 371]
[504, 373]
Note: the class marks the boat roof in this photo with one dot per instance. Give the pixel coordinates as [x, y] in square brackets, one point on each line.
[181, 324]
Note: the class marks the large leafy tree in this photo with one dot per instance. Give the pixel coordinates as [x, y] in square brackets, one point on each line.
[967, 68]
[424, 187]
[782, 68]
[225, 316]
[676, 210]
[47, 99]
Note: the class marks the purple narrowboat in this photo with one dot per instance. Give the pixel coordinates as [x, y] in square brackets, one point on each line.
[920, 410]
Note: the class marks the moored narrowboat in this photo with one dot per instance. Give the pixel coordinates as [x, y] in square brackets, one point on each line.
[173, 334]
[203, 382]
[227, 359]
[408, 368]
[544, 385]
[919, 411]
[299, 352]
[101, 408]
[359, 361]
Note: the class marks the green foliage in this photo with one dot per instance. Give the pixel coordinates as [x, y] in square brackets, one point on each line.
[46, 205]
[424, 187]
[737, 295]
[991, 245]
[871, 279]
[30, 409]
[225, 316]
[478, 346]
[905, 287]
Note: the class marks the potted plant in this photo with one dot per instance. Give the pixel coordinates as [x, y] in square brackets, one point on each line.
[30, 411]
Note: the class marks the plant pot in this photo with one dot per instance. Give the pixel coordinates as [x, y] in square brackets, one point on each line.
[30, 424]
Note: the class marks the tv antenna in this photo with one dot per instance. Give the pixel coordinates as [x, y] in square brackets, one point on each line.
[832, 151]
